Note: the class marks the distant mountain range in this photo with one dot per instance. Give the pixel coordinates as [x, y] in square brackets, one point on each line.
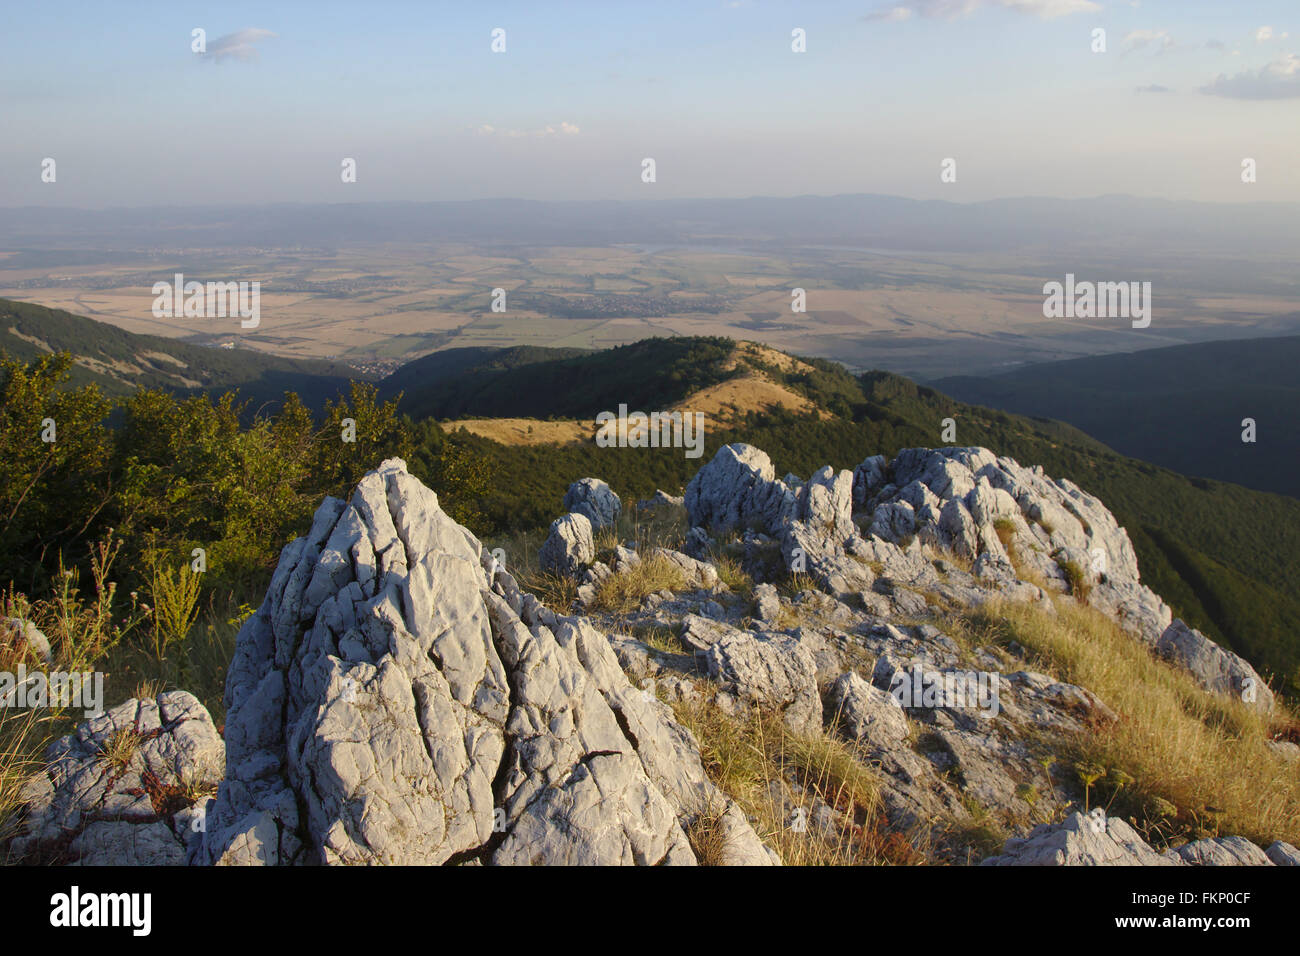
[1181, 407]
[894, 222]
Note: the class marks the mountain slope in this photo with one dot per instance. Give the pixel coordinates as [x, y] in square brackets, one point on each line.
[541, 383]
[119, 362]
[1181, 407]
[1222, 555]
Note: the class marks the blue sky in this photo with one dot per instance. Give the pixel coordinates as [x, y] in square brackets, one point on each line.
[711, 90]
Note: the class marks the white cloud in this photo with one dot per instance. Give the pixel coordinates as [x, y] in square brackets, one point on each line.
[1159, 40]
[952, 9]
[891, 15]
[1280, 80]
[238, 45]
[1263, 34]
[564, 128]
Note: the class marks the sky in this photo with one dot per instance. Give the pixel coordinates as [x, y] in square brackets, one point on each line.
[1012, 90]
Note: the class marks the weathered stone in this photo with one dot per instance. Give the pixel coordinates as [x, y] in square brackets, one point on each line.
[110, 789]
[398, 699]
[569, 547]
[1224, 851]
[769, 671]
[1215, 668]
[1079, 841]
[16, 633]
[866, 713]
[1283, 854]
[593, 498]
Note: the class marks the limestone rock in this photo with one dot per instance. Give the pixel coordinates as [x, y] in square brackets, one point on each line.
[569, 547]
[661, 502]
[698, 574]
[1215, 668]
[737, 489]
[398, 699]
[770, 671]
[1224, 851]
[15, 632]
[1283, 854]
[112, 788]
[593, 498]
[767, 603]
[1077, 841]
[866, 713]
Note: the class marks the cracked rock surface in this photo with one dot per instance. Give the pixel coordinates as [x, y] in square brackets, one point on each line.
[398, 699]
[125, 787]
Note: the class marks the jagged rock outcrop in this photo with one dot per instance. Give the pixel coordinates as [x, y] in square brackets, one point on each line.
[1010, 521]
[1215, 668]
[593, 498]
[770, 671]
[736, 490]
[1080, 841]
[126, 788]
[569, 546]
[865, 713]
[398, 699]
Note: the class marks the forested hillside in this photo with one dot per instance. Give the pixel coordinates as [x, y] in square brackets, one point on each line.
[1180, 407]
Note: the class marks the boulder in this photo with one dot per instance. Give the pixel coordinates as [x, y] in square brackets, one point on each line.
[593, 498]
[1283, 854]
[698, 574]
[124, 788]
[660, 503]
[770, 671]
[569, 547]
[1224, 851]
[865, 713]
[1079, 841]
[737, 489]
[16, 633]
[398, 699]
[1215, 668]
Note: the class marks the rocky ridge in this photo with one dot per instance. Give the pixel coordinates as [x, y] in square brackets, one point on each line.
[398, 698]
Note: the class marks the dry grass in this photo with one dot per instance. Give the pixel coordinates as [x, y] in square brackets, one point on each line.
[623, 593]
[23, 735]
[747, 758]
[732, 574]
[120, 749]
[1181, 762]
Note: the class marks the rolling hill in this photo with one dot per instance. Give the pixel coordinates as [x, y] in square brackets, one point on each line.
[119, 362]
